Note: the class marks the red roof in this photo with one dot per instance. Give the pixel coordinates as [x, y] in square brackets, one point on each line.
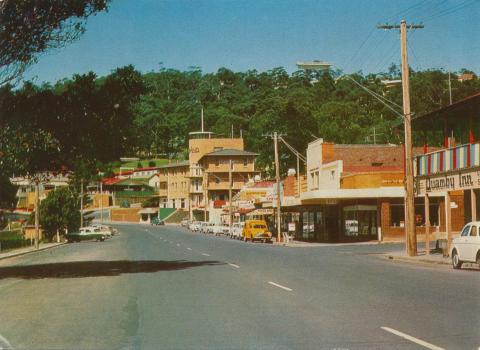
[110, 181]
[128, 172]
[146, 169]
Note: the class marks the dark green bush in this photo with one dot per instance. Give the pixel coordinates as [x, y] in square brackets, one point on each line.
[150, 202]
[12, 240]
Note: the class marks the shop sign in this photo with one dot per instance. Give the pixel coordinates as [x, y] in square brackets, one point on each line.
[291, 227]
[351, 227]
[465, 180]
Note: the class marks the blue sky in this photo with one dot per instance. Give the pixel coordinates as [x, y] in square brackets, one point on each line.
[263, 34]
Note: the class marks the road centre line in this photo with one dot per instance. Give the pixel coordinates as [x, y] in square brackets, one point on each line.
[412, 339]
[280, 286]
[189, 248]
[234, 265]
[178, 245]
[205, 254]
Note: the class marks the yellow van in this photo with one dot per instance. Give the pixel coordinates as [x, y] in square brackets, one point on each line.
[256, 230]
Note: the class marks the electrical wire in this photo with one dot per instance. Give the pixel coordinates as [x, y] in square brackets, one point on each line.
[450, 10]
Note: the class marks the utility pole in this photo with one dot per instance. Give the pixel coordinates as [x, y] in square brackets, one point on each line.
[101, 201]
[230, 195]
[450, 86]
[409, 194]
[298, 174]
[37, 208]
[205, 196]
[277, 176]
[81, 203]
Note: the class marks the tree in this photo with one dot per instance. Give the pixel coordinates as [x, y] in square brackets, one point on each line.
[31, 27]
[7, 192]
[59, 211]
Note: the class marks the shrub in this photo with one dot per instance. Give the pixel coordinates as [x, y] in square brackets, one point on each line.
[12, 240]
[124, 204]
[150, 202]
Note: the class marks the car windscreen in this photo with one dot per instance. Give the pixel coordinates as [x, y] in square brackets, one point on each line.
[260, 226]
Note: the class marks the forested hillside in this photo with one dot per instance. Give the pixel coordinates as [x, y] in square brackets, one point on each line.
[96, 120]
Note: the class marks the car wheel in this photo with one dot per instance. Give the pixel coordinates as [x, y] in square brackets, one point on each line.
[456, 262]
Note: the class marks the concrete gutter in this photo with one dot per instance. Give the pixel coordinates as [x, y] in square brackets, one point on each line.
[434, 259]
[24, 251]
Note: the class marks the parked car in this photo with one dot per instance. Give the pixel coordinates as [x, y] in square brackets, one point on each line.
[194, 226]
[256, 230]
[237, 229]
[109, 230]
[185, 223]
[206, 227]
[157, 221]
[85, 234]
[466, 248]
[226, 230]
[217, 229]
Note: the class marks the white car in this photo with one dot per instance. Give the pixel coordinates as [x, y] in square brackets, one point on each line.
[194, 226]
[185, 223]
[206, 227]
[466, 248]
[217, 229]
[237, 230]
[107, 230]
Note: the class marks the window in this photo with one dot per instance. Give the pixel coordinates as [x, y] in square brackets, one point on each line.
[397, 215]
[217, 162]
[473, 231]
[465, 231]
[245, 162]
[217, 180]
[182, 203]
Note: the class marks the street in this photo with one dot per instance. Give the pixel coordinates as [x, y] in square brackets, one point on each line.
[163, 287]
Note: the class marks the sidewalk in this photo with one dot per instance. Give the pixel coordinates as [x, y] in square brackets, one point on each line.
[26, 250]
[433, 258]
[301, 244]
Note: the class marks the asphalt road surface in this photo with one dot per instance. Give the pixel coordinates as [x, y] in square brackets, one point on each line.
[166, 288]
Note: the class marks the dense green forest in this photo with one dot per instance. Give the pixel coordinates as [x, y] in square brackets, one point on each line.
[89, 121]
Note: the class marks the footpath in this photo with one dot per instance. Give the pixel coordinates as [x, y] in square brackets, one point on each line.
[26, 250]
[435, 258]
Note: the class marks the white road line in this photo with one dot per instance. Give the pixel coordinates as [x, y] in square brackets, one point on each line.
[280, 286]
[234, 265]
[189, 248]
[412, 339]
[205, 254]
[178, 245]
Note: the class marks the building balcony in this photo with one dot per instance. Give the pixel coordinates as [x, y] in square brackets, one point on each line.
[196, 190]
[446, 160]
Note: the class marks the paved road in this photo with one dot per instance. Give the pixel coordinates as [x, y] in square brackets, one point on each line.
[166, 288]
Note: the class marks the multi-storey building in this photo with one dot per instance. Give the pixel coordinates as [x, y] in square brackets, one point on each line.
[202, 182]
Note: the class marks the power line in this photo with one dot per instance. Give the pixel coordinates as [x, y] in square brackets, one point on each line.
[407, 10]
[448, 11]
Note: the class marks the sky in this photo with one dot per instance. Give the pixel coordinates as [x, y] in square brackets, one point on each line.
[263, 34]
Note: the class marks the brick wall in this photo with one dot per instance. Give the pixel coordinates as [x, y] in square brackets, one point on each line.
[125, 214]
[390, 233]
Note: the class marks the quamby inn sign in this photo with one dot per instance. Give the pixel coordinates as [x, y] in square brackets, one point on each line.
[459, 180]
